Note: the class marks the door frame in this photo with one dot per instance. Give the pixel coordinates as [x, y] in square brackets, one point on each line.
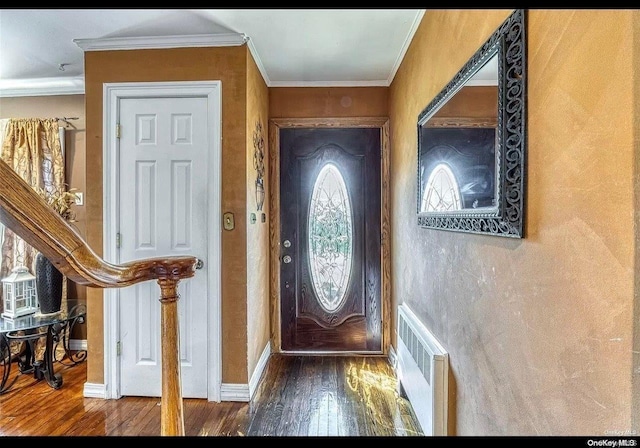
[112, 94]
[275, 125]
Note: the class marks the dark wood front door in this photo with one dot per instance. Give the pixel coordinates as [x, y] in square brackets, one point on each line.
[330, 281]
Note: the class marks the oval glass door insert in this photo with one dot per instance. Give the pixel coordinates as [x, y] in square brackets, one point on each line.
[330, 238]
[441, 193]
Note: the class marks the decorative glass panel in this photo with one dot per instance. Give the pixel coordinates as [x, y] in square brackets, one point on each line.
[330, 238]
[441, 194]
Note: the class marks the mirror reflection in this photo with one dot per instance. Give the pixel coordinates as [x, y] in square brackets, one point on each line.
[472, 141]
[457, 163]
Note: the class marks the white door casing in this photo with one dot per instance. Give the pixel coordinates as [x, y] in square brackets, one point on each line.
[162, 195]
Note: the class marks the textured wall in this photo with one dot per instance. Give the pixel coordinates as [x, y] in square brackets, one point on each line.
[227, 64]
[258, 233]
[328, 102]
[539, 330]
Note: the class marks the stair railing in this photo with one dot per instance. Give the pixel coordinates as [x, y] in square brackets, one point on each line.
[25, 213]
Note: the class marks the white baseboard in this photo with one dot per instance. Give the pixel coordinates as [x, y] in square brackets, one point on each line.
[94, 390]
[78, 344]
[91, 390]
[259, 370]
[393, 357]
[234, 392]
[228, 391]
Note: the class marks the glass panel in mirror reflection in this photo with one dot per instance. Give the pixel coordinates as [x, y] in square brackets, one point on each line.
[330, 238]
[468, 153]
[442, 192]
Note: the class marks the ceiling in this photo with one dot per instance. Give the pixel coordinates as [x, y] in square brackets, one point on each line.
[41, 50]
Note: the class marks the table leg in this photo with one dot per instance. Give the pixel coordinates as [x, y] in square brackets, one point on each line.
[5, 360]
[27, 357]
[44, 368]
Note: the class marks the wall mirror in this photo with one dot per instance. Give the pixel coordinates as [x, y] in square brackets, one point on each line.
[472, 141]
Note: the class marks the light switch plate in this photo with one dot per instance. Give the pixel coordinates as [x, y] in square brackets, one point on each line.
[228, 221]
[79, 198]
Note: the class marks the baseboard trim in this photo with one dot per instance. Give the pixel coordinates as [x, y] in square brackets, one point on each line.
[254, 382]
[94, 390]
[234, 392]
[393, 358]
[228, 391]
[78, 344]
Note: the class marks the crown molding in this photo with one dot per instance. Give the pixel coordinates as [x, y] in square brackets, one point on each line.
[405, 46]
[258, 61]
[380, 83]
[153, 42]
[42, 87]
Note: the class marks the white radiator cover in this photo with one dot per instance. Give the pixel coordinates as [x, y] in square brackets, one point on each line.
[423, 372]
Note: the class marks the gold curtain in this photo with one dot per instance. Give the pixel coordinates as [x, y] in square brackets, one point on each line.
[32, 148]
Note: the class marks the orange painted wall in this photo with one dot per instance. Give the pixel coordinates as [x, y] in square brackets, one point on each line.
[227, 64]
[328, 102]
[539, 330]
[258, 322]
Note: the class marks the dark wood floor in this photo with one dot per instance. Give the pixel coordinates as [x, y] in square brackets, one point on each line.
[298, 396]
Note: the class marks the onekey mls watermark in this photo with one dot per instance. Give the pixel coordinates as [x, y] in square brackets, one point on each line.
[613, 442]
[621, 432]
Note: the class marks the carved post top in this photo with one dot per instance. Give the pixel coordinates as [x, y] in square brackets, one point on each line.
[166, 268]
[168, 290]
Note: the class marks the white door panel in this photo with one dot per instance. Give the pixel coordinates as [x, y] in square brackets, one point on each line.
[163, 162]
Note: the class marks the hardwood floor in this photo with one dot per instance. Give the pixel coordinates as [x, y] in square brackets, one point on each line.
[298, 396]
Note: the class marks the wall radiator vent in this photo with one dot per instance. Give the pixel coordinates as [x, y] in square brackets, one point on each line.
[423, 369]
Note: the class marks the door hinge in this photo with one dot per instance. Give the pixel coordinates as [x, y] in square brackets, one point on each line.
[118, 348]
[117, 130]
[118, 240]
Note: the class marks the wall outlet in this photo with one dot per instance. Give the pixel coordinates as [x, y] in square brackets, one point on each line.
[79, 198]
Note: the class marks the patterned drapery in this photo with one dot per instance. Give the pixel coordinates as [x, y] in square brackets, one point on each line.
[32, 147]
[3, 129]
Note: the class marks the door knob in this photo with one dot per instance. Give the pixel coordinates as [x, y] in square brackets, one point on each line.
[286, 259]
[199, 264]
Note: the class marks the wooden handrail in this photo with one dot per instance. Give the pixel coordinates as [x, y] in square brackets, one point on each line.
[24, 212]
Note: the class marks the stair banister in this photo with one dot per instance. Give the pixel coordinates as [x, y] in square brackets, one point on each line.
[25, 213]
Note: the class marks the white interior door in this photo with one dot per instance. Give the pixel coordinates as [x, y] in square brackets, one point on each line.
[162, 197]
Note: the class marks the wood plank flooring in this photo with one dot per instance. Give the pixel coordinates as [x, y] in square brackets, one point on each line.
[299, 396]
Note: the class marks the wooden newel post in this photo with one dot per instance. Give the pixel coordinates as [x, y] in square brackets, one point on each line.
[171, 411]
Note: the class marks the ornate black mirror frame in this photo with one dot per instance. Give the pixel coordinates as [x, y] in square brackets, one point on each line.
[506, 216]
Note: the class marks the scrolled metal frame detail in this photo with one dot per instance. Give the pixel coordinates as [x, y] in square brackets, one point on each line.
[509, 42]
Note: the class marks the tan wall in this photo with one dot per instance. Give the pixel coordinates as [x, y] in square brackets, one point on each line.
[60, 106]
[328, 102]
[227, 64]
[635, 407]
[471, 102]
[539, 330]
[258, 233]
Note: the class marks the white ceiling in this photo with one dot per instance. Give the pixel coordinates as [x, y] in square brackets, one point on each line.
[292, 47]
